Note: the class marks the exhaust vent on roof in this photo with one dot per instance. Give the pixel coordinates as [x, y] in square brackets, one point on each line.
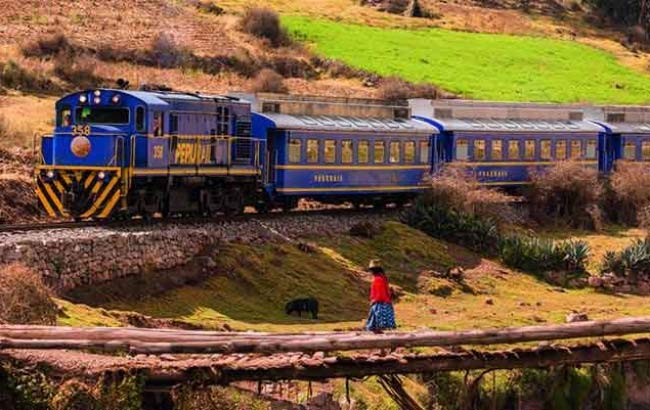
[443, 113]
[576, 116]
[616, 117]
[401, 113]
[271, 107]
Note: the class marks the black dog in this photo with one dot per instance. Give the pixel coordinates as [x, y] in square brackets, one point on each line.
[303, 305]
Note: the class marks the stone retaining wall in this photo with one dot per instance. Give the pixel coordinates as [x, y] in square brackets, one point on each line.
[86, 256]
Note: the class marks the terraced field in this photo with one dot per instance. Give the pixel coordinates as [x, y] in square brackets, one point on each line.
[481, 66]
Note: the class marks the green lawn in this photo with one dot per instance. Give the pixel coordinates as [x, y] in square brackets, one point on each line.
[481, 66]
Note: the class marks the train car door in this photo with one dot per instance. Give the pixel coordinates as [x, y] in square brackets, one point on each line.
[273, 141]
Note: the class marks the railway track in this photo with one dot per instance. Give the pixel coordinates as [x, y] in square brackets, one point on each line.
[135, 223]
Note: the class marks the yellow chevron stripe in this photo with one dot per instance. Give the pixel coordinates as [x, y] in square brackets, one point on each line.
[66, 178]
[96, 187]
[89, 180]
[110, 205]
[100, 200]
[59, 186]
[45, 203]
[54, 199]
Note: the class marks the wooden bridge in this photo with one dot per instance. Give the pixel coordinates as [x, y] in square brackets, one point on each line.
[166, 358]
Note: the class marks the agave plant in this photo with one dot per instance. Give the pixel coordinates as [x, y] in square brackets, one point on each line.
[612, 263]
[575, 254]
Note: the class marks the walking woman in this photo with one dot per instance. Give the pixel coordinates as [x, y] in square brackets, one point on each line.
[382, 315]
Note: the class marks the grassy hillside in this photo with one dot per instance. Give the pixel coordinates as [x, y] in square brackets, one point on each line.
[483, 66]
[251, 284]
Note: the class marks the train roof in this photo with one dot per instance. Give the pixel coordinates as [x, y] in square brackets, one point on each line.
[468, 116]
[161, 99]
[622, 119]
[342, 124]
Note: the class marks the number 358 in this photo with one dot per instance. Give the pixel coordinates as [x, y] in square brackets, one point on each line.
[158, 152]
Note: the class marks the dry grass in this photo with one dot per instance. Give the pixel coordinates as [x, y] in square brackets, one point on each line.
[394, 88]
[22, 117]
[567, 192]
[24, 299]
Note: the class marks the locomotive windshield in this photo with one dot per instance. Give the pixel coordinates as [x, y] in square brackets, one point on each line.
[102, 115]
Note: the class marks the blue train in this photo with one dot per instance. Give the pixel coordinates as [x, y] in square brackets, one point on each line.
[118, 153]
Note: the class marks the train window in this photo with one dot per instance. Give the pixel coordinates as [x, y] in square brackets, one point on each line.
[380, 152]
[546, 149]
[576, 149]
[173, 124]
[158, 130]
[591, 149]
[496, 152]
[513, 149]
[529, 149]
[312, 150]
[330, 151]
[139, 119]
[363, 152]
[346, 151]
[629, 151]
[100, 115]
[64, 117]
[425, 147]
[462, 150]
[295, 150]
[479, 150]
[560, 150]
[394, 152]
[409, 152]
[645, 150]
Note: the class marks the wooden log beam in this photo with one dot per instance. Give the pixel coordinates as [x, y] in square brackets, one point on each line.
[153, 342]
[358, 367]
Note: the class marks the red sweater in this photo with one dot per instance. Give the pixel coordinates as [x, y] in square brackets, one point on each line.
[379, 290]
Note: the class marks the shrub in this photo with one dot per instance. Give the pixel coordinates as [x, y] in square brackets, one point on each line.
[167, 53]
[24, 299]
[47, 46]
[456, 189]
[394, 88]
[543, 255]
[15, 77]
[264, 23]
[269, 81]
[365, 230]
[566, 192]
[629, 193]
[79, 72]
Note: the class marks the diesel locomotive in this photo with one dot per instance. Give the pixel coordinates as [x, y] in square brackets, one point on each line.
[119, 153]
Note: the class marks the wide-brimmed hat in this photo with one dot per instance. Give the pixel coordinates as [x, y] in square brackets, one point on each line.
[374, 263]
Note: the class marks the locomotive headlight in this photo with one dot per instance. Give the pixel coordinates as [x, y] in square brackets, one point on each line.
[97, 93]
[83, 99]
[115, 99]
[101, 175]
[50, 174]
[97, 100]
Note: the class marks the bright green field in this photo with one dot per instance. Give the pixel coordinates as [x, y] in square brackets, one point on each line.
[481, 66]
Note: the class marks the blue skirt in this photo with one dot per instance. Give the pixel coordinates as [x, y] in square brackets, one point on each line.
[382, 316]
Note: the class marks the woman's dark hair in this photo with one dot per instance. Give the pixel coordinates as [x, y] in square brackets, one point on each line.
[377, 270]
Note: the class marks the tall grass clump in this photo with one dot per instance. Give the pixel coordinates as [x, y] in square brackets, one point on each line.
[24, 298]
[568, 193]
[47, 45]
[14, 76]
[264, 23]
[268, 81]
[628, 194]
